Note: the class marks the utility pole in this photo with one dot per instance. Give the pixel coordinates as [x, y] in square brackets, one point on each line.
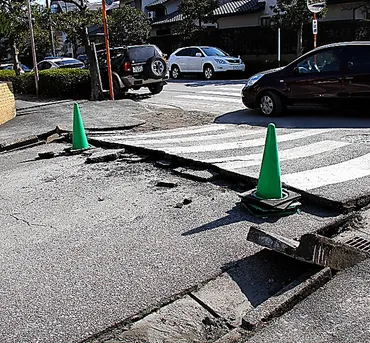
[107, 48]
[33, 48]
[51, 32]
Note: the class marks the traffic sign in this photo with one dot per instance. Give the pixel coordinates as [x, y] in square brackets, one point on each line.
[316, 6]
[314, 26]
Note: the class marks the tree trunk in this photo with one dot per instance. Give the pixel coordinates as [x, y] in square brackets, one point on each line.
[14, 53]
[96, 89]
[299, 40]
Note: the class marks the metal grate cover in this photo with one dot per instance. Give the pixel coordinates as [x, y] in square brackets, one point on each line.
[359, 243]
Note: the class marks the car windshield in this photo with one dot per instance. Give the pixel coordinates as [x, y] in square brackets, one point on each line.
[214, 52]
[142, 53]
[65, 63]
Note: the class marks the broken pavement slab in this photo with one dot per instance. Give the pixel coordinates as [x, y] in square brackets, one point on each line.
[105, 155]
[337, 312]
[196, 174]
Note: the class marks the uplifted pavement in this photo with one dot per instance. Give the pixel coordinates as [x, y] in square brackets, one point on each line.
[84, 246]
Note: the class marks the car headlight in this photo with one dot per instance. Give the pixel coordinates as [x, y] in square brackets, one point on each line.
[220, 61]
[252, 80]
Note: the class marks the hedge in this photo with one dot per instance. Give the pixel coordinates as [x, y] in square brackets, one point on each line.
[55, 83]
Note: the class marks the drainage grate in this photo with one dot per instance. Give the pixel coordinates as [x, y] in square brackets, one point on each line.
[359, 243]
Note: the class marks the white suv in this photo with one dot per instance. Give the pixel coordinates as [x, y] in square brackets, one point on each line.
[202, 59]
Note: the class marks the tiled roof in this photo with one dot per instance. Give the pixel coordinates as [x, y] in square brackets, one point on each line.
[239, 7]
[156, 3]
[170, 18]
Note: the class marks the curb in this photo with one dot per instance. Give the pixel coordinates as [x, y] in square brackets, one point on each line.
[285, 299]
[47, 104]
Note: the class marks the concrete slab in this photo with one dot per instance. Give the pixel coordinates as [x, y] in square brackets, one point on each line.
[85, 246]
[336, 313]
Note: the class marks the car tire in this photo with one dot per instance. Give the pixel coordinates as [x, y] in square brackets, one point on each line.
[175, 72]
[117, 89]
[208, 72]
[270, 104]
[157, 67]
[156, 89]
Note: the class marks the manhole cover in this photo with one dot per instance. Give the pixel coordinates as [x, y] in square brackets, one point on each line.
[359, 243]
[362, 138]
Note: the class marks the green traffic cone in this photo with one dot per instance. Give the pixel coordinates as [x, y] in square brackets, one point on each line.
[269, 183]
[79, 140]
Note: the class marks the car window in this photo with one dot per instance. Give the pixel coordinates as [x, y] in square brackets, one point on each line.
[194, 51]
[44, 65]
[359, 59]
[141, 53]
[214, 52]
[321, 62]
[184, 52]
[65, 63]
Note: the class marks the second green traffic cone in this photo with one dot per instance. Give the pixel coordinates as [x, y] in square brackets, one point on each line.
[79, 139]
[269, 182]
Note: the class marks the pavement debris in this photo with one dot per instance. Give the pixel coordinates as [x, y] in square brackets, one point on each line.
[196, 175]
[105, 156]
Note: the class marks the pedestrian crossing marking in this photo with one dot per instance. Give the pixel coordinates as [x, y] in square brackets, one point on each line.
[213, 99]
[244, 143]
[228, 134]
[336, 173]
[221, 93]
[239, 162]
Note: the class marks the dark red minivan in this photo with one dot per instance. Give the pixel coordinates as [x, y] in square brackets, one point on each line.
[333, 74]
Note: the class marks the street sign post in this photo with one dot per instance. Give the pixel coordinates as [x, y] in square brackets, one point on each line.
[106, 36]
[315, 6]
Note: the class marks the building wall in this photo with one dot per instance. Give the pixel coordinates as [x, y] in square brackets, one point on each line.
[240, 21]
[336, 12]
[7, 102]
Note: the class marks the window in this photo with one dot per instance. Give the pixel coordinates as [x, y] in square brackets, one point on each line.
[321, 62]
[359, 59]
[214, 52]
[184, 52]
[265, 21]
[194, 51]
[44, 65]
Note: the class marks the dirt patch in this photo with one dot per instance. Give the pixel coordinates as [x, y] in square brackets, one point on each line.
[165, 119]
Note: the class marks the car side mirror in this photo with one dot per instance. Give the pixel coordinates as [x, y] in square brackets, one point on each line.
[198, 54]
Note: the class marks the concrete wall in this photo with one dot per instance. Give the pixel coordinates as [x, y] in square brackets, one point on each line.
[7, 102]
[336, 12]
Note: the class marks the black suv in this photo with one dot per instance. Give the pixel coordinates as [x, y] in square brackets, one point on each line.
[134, 67]
[334, 74]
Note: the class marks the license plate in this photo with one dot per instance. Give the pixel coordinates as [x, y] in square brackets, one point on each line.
[236, 68]
[137, 69]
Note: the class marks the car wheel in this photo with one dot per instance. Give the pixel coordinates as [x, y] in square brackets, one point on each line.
[116, 90]
[208, 72]
[270, 104]
[156, 89]
[157, 67]
[175, 72]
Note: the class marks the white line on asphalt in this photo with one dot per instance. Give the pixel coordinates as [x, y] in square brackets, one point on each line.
[336, 173]
[245, 143]
[238, 95]
[175, 132]
[212, 98]
[235, 134]
[238, 162]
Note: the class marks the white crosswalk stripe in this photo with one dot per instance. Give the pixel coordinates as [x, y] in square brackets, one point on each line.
[209, 98]
[316, 157]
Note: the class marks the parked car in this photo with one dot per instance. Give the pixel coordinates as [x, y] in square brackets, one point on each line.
[59, 62]
[333, 74]
[10, 66]
[134, 67]
[203, 59]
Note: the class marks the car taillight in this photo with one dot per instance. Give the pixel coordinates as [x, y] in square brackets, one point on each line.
[127, 66]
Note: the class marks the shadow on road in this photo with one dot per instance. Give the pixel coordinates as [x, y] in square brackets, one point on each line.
[313, 117]
[265, 273]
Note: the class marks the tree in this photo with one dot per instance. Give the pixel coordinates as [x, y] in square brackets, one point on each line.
[13, 26]
[75, 24]
[195, 13]
[293, 14]
[128, 25]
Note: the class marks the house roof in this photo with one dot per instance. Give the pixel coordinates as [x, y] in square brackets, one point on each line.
[170, 18]
[156, 3]
[239, 7]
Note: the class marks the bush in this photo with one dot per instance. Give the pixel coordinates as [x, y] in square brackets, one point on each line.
[55, 83]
